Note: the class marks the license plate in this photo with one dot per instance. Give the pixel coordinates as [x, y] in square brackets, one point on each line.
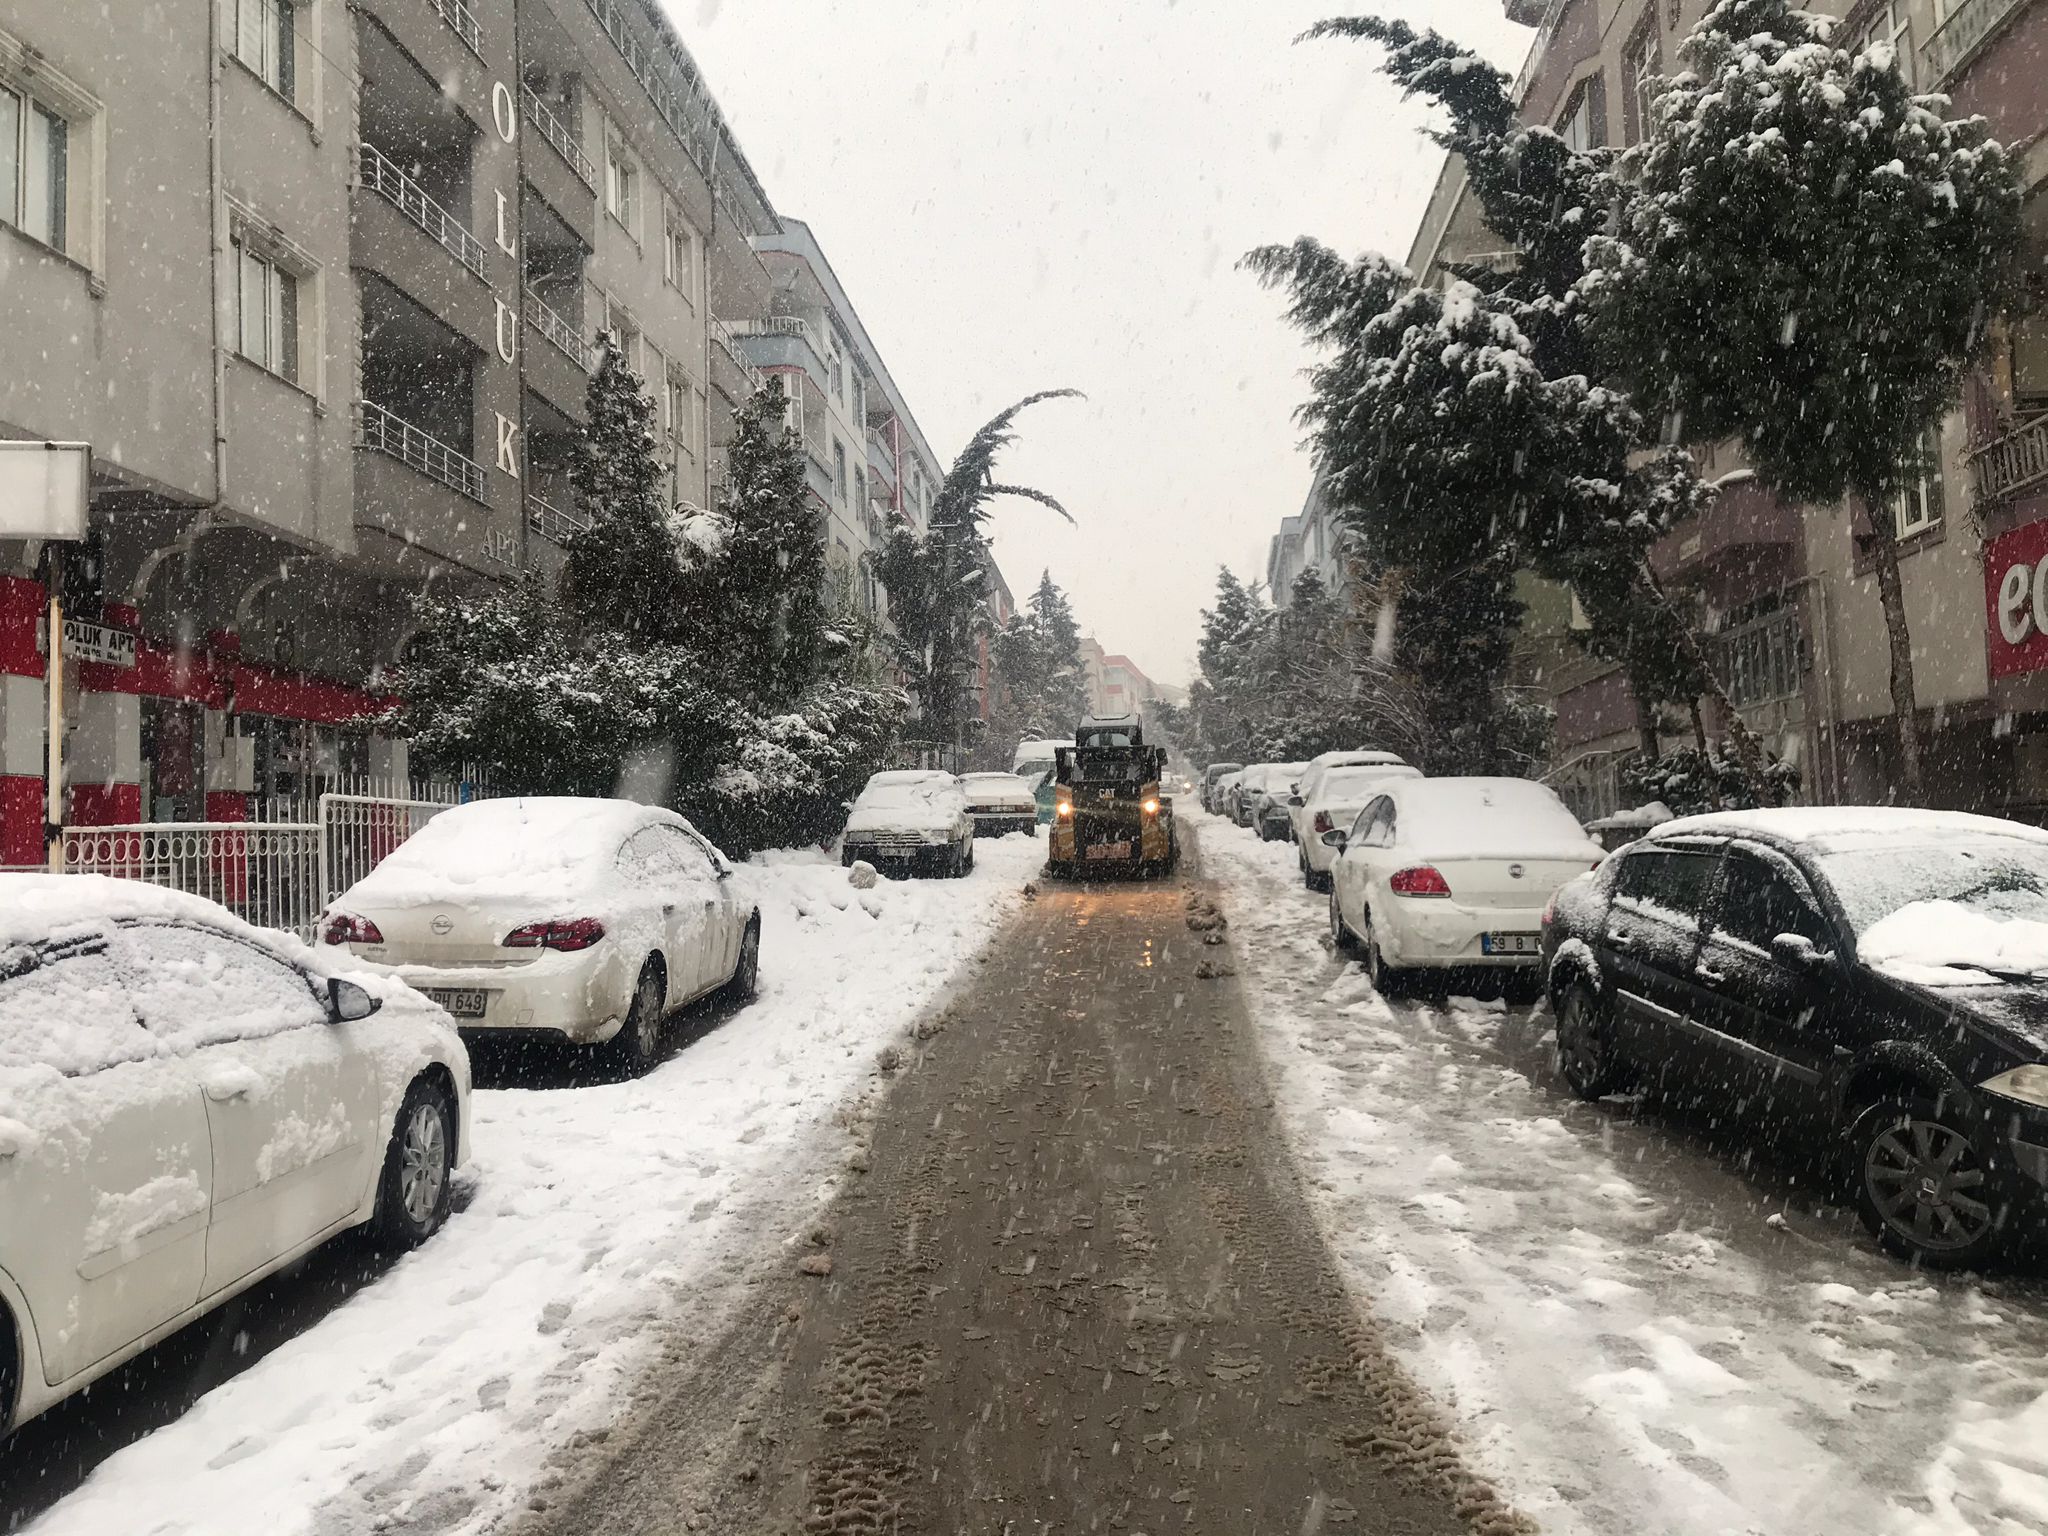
[468, 1003]
[1110, 851]
[1510, 944]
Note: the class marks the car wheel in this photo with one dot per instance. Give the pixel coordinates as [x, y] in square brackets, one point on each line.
[746, 974]
[638, 1041]
[1923, 1186]
[968, 867]
[1586, 1058]
[1386, 980]
[1341, 938]
[413, 1194]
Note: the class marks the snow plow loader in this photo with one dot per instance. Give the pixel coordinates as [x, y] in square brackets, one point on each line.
[1109, 812]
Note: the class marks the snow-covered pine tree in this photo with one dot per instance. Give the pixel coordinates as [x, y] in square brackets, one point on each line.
[1233, 652]
[755, 592]
[623, 574]
[1806, 259]
[1065, 696]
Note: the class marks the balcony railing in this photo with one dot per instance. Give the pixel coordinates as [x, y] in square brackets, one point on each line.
[722, 334]
[558, 331]
[778, 325]
[2007, 465]
[380, 429]
[557, 133]
[1763, 659]
[462, 21]
[1953, 42]
[552, 523]
[377, 171]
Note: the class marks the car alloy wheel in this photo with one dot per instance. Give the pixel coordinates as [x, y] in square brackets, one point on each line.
[746, 976]
[1584, 1059]
[422, 1163]
[1923, 1187]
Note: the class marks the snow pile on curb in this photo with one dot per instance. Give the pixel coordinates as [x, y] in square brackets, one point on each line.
[1630, 1335]
[432, 1398]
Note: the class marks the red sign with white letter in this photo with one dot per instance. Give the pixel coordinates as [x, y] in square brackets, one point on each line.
[2016, 600]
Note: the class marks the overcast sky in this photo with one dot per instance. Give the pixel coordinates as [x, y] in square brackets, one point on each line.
[1020, 197]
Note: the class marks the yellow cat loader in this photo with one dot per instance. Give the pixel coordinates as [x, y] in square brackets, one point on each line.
[1108, 812]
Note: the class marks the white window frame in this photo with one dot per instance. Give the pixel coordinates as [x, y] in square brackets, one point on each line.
[1923, 502]
[621, 183]
[1576, 127]
[1892, 21]
[51, 225]
[680, 259]
[280, 342]
[256, 37]
[31, 79]
[839, 462]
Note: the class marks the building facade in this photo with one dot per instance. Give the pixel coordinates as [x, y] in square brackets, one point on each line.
[1311, 539]
[321, 282]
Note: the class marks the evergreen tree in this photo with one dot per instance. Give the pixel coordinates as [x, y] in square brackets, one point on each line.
[938, 579]
[623, 574]
[1806, 259]
[756, 586]
[1063, 696]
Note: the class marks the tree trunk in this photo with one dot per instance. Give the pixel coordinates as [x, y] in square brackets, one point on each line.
[1891, 593]
[1646, 730]
[1749, 752]
[1699, 725]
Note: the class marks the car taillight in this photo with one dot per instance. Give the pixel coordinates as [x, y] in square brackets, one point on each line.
[572, 933]
[1550, 910]
[1323, 822]
[1421, 880]
[347, 928]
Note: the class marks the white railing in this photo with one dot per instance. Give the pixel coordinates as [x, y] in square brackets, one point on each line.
[266, 872]
[557, 133]
[777, 325]
[2007, 465]
[559, 331]
[462, 21]
[722, 333]
[378, 428]
[1967, 26]
[357, 831]
[377, 171]
[552, 523]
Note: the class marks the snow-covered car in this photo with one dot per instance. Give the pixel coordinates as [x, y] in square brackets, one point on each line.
[1223, 793]
[1248, 782]
[1211, 775]
[1265, 808]
[1034, 762]
[1311, 778]
[909, 821]
[1872, 975]
[1340, 794]
[188, 1104]
[1454, 875]
[1000, 803]
[584, 920]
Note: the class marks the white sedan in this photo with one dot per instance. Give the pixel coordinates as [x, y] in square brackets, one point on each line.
[1453, 875]
[586, 920]
[188, 1104]
[1000, 803]
[1311, 778]
[911, 819]
[1332, 805]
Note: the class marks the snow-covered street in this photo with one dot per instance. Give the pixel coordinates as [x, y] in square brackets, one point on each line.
[1635, 1331]
[592, 1221]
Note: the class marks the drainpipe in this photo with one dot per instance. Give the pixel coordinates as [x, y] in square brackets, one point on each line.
[1824, 666]
[216, 213]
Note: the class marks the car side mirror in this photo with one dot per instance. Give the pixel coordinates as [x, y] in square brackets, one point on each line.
[347, 1002]
[1799, 953]
[1335, 839]
[1296, 800]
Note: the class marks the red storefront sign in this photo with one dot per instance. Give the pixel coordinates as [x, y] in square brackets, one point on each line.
[2016, 600]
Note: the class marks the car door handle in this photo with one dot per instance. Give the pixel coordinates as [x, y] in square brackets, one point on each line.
[227, 1093]
[1620, 940]
[1708, 973]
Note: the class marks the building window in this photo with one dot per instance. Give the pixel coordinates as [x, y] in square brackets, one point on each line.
[620, 322]
[839, 469]
[1919, 505]
[679, 257]
[266, 39]
[621, 185]
[35, 169]
[838, 378]
[1640, 65]
[1581, 127]
[1891, 22]
[267, 298]
[2030, 366]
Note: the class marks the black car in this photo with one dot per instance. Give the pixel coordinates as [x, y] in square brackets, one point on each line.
[1874, 976]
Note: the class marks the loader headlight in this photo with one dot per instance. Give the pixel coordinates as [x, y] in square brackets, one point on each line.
[1151, 807]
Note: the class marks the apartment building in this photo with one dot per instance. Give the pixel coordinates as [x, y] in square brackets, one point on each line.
[1116, 684]
[320, 282]
[1311, 539]
[1784, 594]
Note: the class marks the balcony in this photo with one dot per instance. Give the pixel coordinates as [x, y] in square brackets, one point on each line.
[462, 22]
[552, 523]
[729, 344]
[557, 133]
[381, 430]
[1762, 660]
[1968, 27]
[558, 331]
[376, 171]
[2004, 467]
[881, 468]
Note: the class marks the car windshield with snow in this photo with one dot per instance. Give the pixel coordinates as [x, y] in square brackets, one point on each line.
[1878, 974]
[577, 920]
[911, 821]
